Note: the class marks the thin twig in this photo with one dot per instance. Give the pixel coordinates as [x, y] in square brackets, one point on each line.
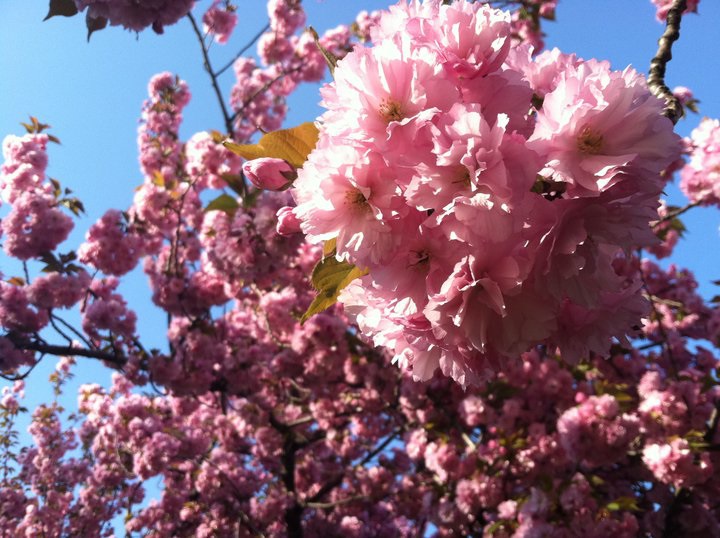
[242, 51]
[262, 90]
[661, 328]
[676, 213]
[77, 333]
[656, 75]
[213, 76]
[329, 486]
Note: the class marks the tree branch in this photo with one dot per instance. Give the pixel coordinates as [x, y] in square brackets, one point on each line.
[242, 51]
[68, 351]
[329, 486]
[656, 75]
[213, 77]
[676, 213]
[262, 90]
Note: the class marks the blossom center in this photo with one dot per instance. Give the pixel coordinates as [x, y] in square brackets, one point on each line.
[590, 141]
[357, 200]
[462, 177]
[391, 110]
[419, 258]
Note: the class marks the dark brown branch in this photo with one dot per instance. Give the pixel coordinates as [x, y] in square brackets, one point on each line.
[213, 76]
[68, 351]
[713, 427]
[656, 75]
[329, 486]
[294, 512]
[340, 502]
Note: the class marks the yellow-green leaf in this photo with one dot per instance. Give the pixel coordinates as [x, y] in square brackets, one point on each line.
[329, 247]
[623, 503]
[293, 145]
[225, 203]
[329, 277]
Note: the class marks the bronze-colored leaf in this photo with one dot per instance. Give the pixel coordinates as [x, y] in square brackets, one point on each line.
[293, 145]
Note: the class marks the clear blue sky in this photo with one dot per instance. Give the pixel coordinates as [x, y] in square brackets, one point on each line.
[91, 94]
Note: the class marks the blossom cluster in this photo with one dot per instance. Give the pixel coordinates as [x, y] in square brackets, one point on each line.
[137, 16]
[700, 178]
[312, 431]
[220, 20]
[35, 224]
[497, 201]
[490, 195]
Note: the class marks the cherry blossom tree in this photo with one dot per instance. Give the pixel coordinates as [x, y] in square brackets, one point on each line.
[436, 310]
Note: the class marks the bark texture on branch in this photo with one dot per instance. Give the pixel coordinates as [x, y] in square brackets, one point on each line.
[656, 75]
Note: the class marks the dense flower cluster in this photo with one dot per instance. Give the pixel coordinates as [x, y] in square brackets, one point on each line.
[35, 224]
[497, 200]
[490, 195]
[288, 59]
[700, 178]
[220, 20]
[311, 431]
[137, 15]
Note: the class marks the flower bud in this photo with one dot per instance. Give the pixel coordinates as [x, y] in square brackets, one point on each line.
[269, 173]
[287, 223]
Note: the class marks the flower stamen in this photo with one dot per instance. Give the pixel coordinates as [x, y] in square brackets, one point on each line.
[391, 110]
[590, 141]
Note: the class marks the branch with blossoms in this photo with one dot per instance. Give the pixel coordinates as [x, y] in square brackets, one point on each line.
[474, 230]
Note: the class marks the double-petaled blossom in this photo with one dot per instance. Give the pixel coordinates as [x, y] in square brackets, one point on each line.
[490, 195]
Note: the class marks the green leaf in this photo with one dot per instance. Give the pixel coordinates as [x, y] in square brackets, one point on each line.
[329, 277]
[235, 182]
[293, 145]
[225, 203]
[66, 8]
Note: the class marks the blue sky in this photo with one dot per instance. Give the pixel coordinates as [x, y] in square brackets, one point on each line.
[91, 94]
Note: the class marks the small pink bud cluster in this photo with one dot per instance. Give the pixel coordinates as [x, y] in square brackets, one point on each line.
[700, 178]
[208, 162]
[219, 20]
[490, 195]
[35, 224]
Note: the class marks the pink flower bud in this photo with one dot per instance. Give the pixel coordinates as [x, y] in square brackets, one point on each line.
[269, 173]
[683, 94]
[288, 223]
